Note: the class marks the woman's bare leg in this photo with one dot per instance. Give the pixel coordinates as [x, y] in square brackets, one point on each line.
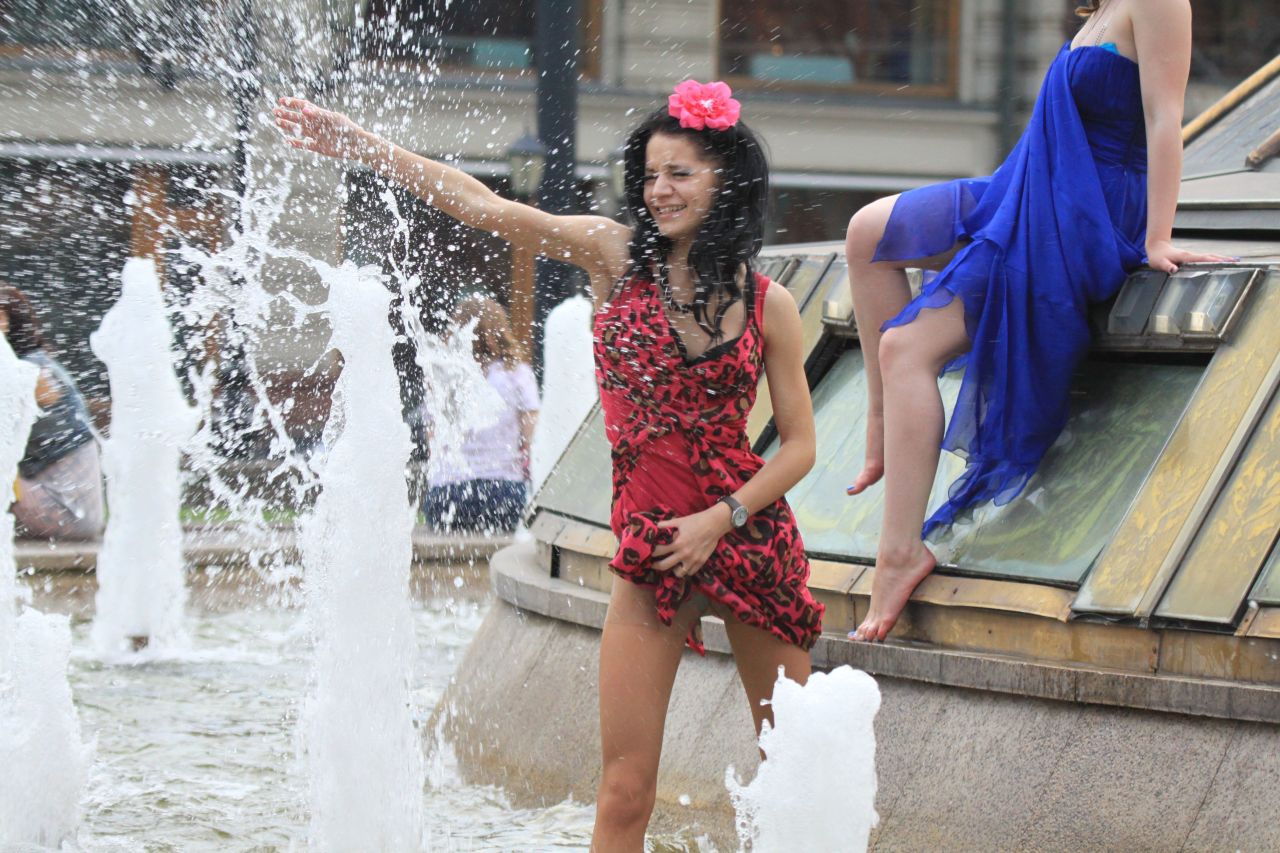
[758, 655]
[880, 291]
[911, 357]
[638, 661]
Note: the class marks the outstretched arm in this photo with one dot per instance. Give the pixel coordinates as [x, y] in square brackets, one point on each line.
[698, 534]
[595, 243]
[1162, 35]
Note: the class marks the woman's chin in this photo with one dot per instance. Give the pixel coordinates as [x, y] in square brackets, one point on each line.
[675, 233]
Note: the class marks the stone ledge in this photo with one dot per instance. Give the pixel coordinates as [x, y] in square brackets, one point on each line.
[210, 546]
[519, 580]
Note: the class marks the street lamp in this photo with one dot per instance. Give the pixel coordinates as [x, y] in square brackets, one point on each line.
[528, 159]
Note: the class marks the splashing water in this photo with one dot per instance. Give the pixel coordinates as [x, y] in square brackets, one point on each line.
[141, 579]
[569, 389]
[42, 760]
[359, 739]
[456, 392]
[356, 736]
[817, 789]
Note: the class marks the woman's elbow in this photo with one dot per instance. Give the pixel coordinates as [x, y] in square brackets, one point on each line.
[1165, 120]
[805, 453]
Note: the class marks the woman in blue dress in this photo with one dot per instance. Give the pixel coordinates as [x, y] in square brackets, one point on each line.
[1087, 195]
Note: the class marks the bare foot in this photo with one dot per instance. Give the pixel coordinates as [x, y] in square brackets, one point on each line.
[873, 469]
[892, 585]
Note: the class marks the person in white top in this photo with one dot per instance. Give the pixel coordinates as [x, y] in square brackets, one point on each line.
[481, 485]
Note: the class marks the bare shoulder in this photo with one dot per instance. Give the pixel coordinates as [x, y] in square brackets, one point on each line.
[602, 249]
[781, 316]
[1145, 13]
[778, 301]
[1162, 36]
[607, 240]
[1158, 7]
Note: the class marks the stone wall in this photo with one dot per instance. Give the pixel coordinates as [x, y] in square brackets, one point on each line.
[958, 769]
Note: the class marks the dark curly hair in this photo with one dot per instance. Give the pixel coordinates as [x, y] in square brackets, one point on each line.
[733, 231]
[24, 329]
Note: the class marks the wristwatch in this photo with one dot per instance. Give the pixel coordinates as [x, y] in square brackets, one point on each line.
[737, 512]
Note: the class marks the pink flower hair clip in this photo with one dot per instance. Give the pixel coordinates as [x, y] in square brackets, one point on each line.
[703, 105]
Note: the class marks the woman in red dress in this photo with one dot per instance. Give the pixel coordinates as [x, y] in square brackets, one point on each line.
[684, 330]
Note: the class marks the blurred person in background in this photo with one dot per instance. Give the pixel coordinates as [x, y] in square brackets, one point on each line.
[59, 489]
[481, 486]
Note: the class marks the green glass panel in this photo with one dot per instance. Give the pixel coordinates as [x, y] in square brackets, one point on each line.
[803, 282]
[1122, 416]
[837, 276]
[831, 522]
[579, 486]
[811, 331]
[1268, 589]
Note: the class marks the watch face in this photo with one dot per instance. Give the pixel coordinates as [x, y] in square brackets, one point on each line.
[739, 516]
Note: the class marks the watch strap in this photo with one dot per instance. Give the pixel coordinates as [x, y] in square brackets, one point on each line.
[737, 512]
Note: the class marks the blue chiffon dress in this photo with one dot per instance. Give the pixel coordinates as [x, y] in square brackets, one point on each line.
[1058, 226]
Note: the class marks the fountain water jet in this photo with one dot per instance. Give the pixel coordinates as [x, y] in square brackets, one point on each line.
[364, 754]
[817, 788]
[569, 386]
[43, 759]
[141, 580]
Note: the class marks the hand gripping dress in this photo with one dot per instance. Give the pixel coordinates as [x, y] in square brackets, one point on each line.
[678, 429]
[1056, 227]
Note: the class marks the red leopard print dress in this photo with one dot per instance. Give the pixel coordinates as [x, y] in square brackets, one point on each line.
[678, 429]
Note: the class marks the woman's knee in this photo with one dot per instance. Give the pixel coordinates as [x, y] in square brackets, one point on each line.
[897, 351]
[866, 228]
[926, 344]
[627, 794]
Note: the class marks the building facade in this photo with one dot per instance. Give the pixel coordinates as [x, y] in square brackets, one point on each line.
[122, 124]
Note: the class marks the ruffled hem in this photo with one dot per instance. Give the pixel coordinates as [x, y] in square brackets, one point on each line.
[636, 545]
[928, 221]
[942, 288]
[983, 480]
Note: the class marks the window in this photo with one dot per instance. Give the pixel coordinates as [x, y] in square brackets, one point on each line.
[580, 484]
[1267, 590]
[907, 46]
[482, 35]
